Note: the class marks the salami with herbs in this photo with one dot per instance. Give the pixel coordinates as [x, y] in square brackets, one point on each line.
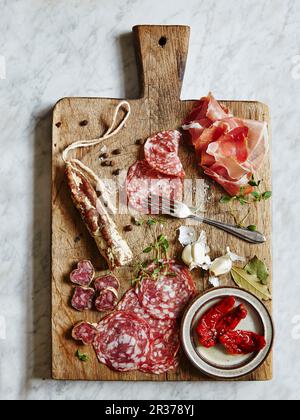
[85, 332]
[107, 300]
[123, 341]
[161, 153]
[144, 181]
[109, 280]
[167, 296]
[84, 273]
[82, 299]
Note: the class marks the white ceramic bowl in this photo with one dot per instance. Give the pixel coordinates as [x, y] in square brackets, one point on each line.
[215, 362]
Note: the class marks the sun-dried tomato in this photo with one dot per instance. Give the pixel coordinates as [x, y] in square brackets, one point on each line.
[230, 321]
[242, 342]
[207, 326]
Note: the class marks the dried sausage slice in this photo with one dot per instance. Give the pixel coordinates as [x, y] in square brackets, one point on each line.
[109, 280]
[85, 332]
[82, 299]
[107, 300]
[161, 152]
[166, 297]
[123, 341]
[143, 181]
[84, 273]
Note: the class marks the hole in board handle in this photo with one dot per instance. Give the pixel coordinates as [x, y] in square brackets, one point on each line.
[163, 41]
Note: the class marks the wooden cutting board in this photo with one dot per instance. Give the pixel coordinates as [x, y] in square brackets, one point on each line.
[162, 53]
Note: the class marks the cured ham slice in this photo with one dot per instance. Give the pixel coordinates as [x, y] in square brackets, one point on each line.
[230, 150]
[161, 153]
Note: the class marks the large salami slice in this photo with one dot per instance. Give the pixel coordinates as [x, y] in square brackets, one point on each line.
[166, 297]
[107, 300]
[84, 273]
[109, 280]
[82, 299]
[158, 327]
[143, 181]
[161, 152]
[123, 341]
[85, 332]
[163, 353]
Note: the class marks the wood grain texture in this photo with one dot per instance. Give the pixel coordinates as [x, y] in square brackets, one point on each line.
[159, 108]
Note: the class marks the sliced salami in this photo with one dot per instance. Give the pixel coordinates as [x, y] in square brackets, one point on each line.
[161, 152]
[107, 300]
[167, 297]
[123, 341]
[109, 280]
[163, 353]
[158, 327]
[85, 332]
[144, 181]
[82, 299]
[84, 273]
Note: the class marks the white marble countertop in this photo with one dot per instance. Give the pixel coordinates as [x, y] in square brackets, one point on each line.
[239, 49]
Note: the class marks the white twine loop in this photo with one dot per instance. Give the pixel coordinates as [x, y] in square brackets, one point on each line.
[94, 142]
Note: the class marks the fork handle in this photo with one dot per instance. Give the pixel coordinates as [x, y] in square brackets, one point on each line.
[253, 237]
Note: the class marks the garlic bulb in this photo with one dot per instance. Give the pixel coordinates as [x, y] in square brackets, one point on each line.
[196, 254]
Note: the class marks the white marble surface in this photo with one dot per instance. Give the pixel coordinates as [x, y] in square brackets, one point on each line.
[239, 49]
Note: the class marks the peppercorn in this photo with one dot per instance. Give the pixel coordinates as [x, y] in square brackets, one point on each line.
[128, 228]
[83, 123]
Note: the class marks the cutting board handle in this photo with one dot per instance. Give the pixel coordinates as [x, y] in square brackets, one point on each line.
[162, 53]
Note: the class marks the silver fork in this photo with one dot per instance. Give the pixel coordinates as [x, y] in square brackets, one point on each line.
[179, 210]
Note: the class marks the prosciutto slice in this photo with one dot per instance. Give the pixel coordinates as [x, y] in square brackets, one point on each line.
[230, 150]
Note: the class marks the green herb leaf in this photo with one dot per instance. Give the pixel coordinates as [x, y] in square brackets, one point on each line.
[250, 283]
[242, 201]
[258, 268]
[225, 199]
[252, 228]
[151, 222]
[267, 195]
[139, 222]
[161, 238]
[256, 195]
[148, 250]
[81, 356]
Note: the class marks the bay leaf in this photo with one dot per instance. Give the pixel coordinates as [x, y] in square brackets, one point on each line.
[250, 283]
[258, 268]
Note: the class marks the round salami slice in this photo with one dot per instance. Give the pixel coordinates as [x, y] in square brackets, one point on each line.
[85, 332]
[167, 297]
[163, 353]
[84, 273]
[109, 280]
[82, 299]
[107, 300]
[158, 327]
[161, 152]
[123, 341]
[144, 181]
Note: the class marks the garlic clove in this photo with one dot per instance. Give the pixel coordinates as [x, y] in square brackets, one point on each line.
[187, 257]
[220, 266]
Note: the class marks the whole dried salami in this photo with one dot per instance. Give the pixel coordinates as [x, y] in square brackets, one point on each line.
[144, 181]
[82, 299]
[161, 152]
[123, 341]
[107, 300]
[167, 297]
[85, 332]
[84, 273]
[109, 280]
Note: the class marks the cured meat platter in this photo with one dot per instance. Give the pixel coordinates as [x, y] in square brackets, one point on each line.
[162, 53]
